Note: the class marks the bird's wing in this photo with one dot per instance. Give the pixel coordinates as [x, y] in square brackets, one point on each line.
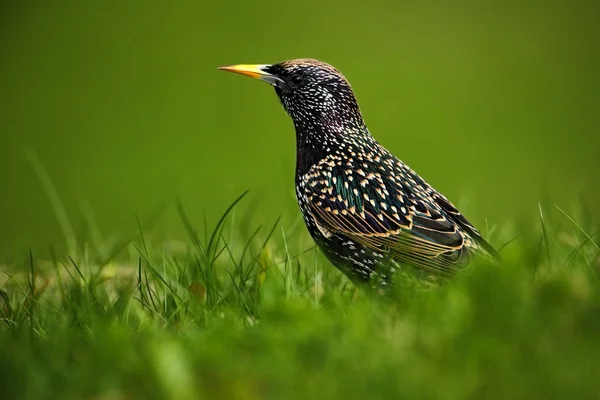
[386, 207]
[460, 219]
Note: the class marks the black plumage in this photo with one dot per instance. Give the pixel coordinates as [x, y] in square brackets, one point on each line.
[367, 210]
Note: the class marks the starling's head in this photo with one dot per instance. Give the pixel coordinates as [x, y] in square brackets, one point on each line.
[313, 93]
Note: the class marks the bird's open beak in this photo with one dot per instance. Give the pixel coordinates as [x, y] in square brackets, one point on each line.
[253, 70]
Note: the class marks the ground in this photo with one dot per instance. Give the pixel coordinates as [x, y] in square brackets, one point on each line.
[222, 316]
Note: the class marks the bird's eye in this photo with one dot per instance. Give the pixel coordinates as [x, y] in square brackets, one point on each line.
[296, 79]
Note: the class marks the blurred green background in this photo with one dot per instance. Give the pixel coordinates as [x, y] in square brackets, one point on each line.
[496, 104]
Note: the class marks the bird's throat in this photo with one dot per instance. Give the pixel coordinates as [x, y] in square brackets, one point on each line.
[315, 141]
[313, 145]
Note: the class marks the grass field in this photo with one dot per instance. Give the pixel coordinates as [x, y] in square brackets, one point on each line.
[240, 313]
[112, 106]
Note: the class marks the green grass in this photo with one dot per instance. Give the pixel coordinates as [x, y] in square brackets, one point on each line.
[257, 313]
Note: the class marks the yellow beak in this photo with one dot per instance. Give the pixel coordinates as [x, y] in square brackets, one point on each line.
[253, 70]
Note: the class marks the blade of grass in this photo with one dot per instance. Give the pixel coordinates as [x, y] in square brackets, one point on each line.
[588, 236]
[52, 194]
[212, 243]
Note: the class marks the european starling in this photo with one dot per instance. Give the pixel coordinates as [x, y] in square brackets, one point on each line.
[367, 210]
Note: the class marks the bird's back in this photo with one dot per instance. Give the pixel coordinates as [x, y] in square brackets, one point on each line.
[365, 207]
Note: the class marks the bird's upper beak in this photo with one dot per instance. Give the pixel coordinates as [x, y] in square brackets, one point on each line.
[255, 71]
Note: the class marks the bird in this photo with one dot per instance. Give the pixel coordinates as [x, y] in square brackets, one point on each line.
[368, 212]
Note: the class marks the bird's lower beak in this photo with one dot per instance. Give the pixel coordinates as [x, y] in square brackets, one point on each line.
[253, 70]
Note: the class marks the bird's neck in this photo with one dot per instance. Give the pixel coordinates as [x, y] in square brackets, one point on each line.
[326, 134]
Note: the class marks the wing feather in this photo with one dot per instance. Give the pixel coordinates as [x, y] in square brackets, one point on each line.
[403, 218]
